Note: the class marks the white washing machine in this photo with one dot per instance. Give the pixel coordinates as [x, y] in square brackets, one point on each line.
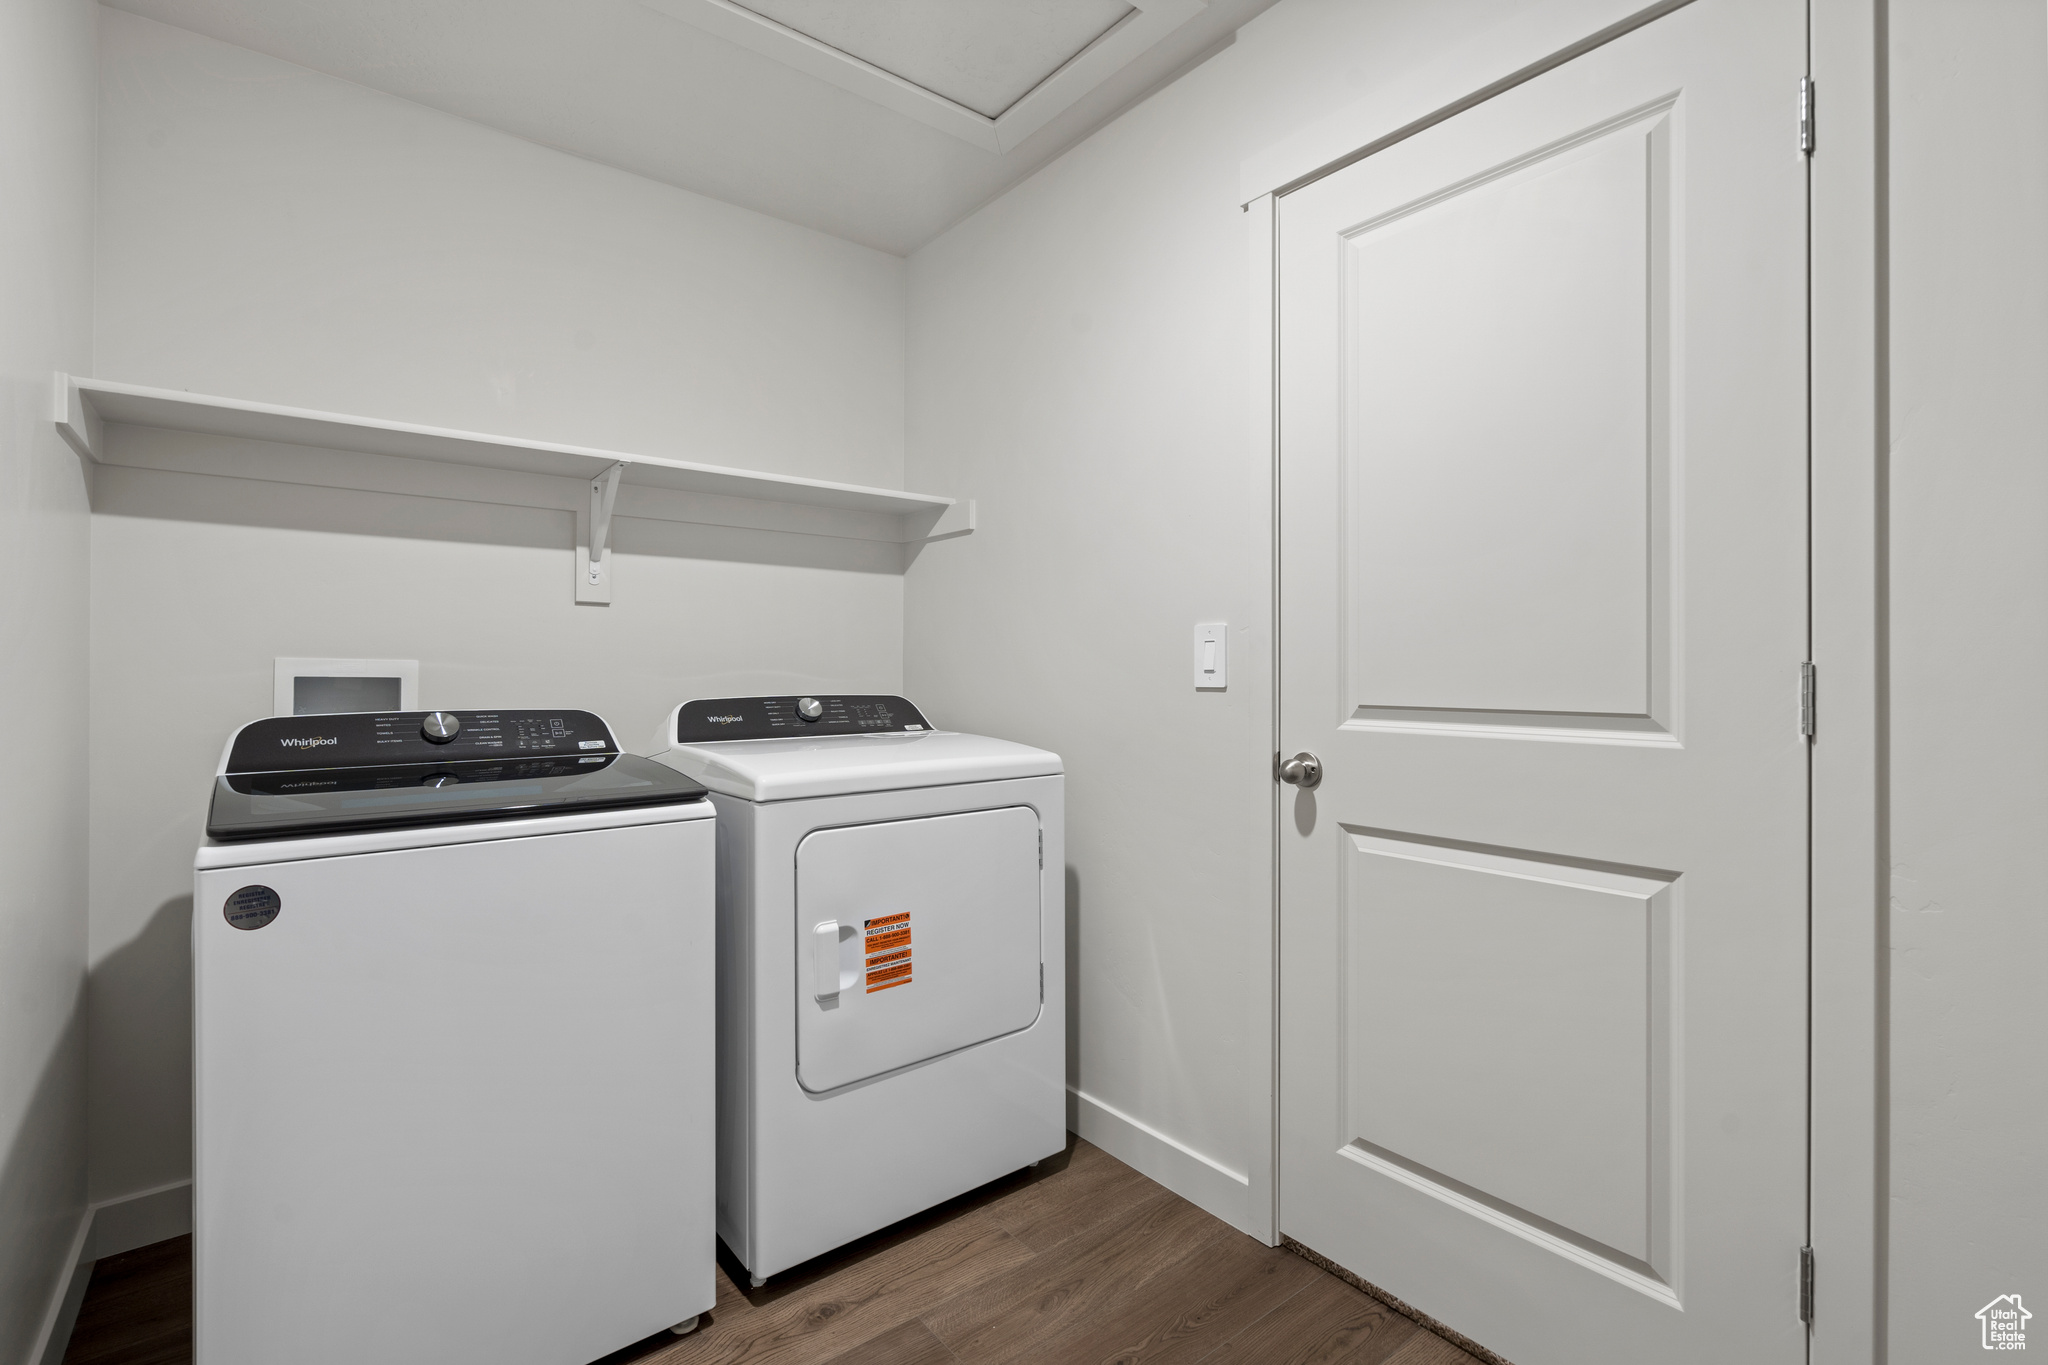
[453, 980]
[891, 981]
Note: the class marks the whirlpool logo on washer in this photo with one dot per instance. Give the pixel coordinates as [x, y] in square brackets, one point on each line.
[309, 741]
[725, 720]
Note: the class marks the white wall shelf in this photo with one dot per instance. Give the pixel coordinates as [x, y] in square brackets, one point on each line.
[84, 407]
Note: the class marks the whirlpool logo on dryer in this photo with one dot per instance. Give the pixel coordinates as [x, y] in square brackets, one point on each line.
[309, 742]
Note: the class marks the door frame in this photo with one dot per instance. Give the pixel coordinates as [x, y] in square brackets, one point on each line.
[1848, 433]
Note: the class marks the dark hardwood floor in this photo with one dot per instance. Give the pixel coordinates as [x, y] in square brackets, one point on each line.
[1081, 1261]
[137, 1309]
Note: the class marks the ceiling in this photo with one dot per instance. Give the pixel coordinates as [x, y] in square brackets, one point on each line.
[880, 121]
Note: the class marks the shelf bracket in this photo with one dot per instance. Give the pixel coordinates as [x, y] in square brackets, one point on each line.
[78, 421]
[594, 580]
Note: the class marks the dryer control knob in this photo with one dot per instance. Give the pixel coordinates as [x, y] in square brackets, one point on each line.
[440, 726]
[810, 708]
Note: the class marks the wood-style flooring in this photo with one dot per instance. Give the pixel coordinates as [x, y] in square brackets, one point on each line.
[137, 1309]
[1082, 1262]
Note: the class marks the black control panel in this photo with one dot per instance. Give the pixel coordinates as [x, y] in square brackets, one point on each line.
[701, 722]
[372, 739]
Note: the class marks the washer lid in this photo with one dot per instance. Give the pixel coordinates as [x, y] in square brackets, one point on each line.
[839, 765]
[333, 800]
[296, 775]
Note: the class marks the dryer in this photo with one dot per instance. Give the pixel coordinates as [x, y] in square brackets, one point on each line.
[453, 1019]
[891, 963]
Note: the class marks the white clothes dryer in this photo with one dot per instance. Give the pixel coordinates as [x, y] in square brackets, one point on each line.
[453, 1043]
[891, 963]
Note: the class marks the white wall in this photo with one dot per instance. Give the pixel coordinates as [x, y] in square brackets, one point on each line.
[1969, 668]
[46, 188]
[1080, 359]
[270, 233]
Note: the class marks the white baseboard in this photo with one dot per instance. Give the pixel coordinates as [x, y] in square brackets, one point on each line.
[108, 1228]
[55, 1334]
[1207, 1184]
[136, 1220]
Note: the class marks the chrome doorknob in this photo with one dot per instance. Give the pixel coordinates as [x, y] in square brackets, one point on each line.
[1304, 770]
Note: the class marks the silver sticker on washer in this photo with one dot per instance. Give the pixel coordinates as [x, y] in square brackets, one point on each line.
[252, 907]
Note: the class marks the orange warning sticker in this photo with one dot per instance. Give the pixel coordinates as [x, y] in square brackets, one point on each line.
[887, 950]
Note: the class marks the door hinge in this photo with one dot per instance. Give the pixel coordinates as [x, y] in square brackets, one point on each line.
[1807, 686]
[1806, 1285]
[1806, 115]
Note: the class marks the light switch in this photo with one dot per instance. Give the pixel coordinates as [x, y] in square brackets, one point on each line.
[1212, 648]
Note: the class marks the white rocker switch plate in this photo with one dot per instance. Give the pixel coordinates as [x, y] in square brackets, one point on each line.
[1212, 648]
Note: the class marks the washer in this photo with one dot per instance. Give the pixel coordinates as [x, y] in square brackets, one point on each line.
[453, 983]
[891, 963]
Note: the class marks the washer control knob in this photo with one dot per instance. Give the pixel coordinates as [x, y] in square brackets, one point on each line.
[810, 708]
[440, 726]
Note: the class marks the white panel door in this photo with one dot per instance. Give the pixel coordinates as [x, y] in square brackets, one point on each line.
[915, 938]
[1543, 468]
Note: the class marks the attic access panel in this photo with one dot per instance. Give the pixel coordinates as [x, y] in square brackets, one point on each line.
[985, 54]
[991, 72]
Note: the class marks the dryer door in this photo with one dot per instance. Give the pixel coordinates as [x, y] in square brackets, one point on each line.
[914, 938]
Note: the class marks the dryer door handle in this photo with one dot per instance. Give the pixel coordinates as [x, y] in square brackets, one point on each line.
[825, 959]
